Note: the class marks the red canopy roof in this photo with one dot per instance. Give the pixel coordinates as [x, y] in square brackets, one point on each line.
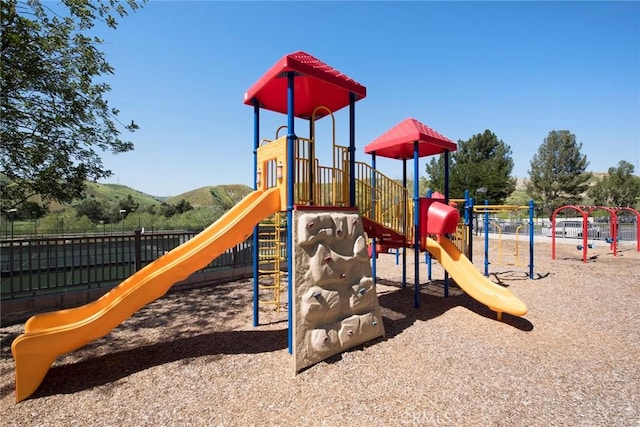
[397, 143]
[316, 84]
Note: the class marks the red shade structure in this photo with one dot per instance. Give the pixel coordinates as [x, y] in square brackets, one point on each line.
[411, 139]
[398, 142]
[316, 83]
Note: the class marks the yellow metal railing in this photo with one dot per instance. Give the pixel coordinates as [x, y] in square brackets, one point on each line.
[304, 172]
[382, 199]
[378, 197]
[388, 204]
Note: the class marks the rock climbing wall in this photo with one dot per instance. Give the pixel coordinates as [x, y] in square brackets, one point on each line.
[335, 306]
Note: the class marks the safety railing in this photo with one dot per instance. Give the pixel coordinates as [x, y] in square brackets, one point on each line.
[378, 197]
[382, 199]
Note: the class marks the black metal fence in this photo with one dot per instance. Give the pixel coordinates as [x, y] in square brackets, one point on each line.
[48, 265]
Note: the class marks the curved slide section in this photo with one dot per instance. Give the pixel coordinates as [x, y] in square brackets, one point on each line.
[50, 335]
[467, 276]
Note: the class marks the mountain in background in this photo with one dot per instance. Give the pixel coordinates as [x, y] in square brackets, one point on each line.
[113, 192]
[214, 196]
[209, 196]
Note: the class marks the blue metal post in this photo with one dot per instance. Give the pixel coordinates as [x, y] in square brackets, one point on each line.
[352, 149]
[416, 226]
[406, 226]
[312, 156]
[291, 137]
[466, 200]
[446, 201]
[373, 214]
[531, 209]
[486, 239]
[256, 240]
[427, 254]
[469, 208]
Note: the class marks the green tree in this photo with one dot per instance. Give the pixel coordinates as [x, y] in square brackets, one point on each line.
[129, 205]
[54, 117]
[93, 209]
[558, 172]
[482, 161]
[183, 206]
[619, 188]
[167, 209]
[435, 174]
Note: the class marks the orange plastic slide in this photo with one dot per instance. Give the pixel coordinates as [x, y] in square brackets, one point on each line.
[467, 276]
[50, 335]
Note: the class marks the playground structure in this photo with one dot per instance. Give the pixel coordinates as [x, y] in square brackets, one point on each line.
[330, 212]
[585, 212]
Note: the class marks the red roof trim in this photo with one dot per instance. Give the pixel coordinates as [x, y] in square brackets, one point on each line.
[316, 84]
[398, 142]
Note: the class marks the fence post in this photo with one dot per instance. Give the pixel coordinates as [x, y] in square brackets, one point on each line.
[138, 249]
[235, 256]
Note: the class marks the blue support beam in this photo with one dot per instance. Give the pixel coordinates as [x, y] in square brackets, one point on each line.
[352, 149]
[406, 226]
[291, 138]
[446, 201]
[373, 213]
[256, 278]
[416, 225]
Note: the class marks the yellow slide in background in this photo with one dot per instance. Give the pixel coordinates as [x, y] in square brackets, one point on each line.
[50, 335]
[470, 280]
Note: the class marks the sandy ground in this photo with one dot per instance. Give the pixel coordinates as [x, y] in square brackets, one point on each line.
[194, 358]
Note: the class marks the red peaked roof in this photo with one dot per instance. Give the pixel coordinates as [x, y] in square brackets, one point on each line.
[397, 143]
[316, 84]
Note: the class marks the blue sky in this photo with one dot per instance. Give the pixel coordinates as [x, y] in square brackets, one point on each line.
[520, 69]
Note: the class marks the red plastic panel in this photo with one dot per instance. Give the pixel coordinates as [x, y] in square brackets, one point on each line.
[316, 84]
[397, 143]
[436, 217]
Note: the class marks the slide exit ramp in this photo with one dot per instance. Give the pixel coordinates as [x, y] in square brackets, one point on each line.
[50, 335]
[470, 280]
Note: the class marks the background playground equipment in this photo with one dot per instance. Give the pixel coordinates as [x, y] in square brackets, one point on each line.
[487, 209]
[332, 304]
[585, 212]
[463, 236]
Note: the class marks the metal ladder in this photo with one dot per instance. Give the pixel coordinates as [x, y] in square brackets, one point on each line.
[270, 255]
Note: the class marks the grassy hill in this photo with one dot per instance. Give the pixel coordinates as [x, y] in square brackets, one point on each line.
[113, 192]
[213, 196]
